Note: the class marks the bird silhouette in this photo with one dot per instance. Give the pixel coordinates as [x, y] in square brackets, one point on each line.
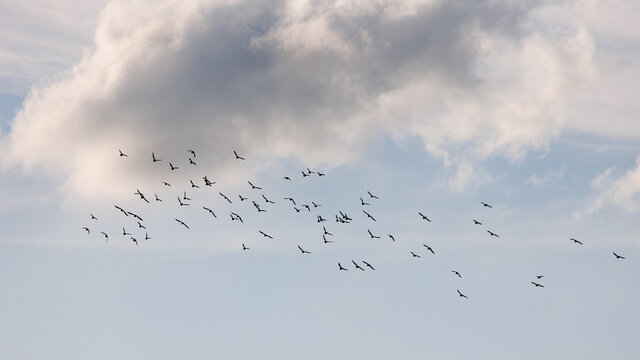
[537, 285]
[134, 240]
[368, 265]
[324, 238]
[424, 217]
[235, 216]
[154, 158]
[238, 157]
[576, 241]
[321, 219]
[265, 235]
[191, 161]
[267, 200]
[225, 197]
[342, 268]
[457, 273]
[135, 215]
[121, 153]
[307, 207]
[121, 210]
[315, 205]
[253, 186]
[369, 215]
[326, 232]
[194, 185]
[363, 203]
[320, 174]
[173, 167]
[485, 205]
[371, 195]
[492, 233]
[391, 237]
[429, 248]
[141, 226]
[357, 266]
[618, 256]
[147, 237]
[372, 236]
[141, 195]
[192, 153]
[181, 203]
[105, 236]
[210, 211]
[304, 251]
[157, 198]
[539, 276]
[166, 184]
[415, 255]
[291, 199]
[245, 248]
[461, 294]
[86, 229]
[93, 217]
[476, 222]
[242, 198]
[286, 178]
[182, 223]
[124, 232]
[304, 174]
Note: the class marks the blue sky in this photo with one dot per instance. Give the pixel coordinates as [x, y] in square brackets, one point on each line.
[433, 106]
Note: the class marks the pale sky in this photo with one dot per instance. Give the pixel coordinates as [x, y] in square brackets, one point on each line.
[432, 106]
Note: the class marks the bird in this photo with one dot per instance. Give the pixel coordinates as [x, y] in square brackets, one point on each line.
[369, 215]
[105, 235]
[253, 186]
[245, 248]
[391, 237]
[304, 174]
[537, 285]
[476, 222]
[124, 232]
[141, 226]
[192, 153]
[286, 178]
[326, 232]
[93, 217]
[315, 205]
[267, 200]
[618, 256]
[363, 203]
[291, 199]
[121, 209]
[209, 210]
[134, 240]
[485, 204]
[576, 241]
[424, 217]
[492, 233]
[173, 167]
[86, 229]
[135, 215]
[321, 219]
[147, 237]
[371, 195]
[181, 203]
[184, 196]
[307, 207]
[265, 235]
[304, 251]
[166, 184]
[461, 294]
[372, 236]
[141, 195]
[368, 265]
[539, 276]
[121, 153]
[320, 174]
[207, 182]
[194, 185]
[235, 216]
[238, 157]
[457, 273]
[429, 248]
[357, 266]
[225, 197]
[324, 238]
[153, 157]
[182, 223]
[342, 268]
[242, 198]
[415, 255]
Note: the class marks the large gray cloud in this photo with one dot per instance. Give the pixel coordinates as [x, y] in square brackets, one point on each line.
[315, 81]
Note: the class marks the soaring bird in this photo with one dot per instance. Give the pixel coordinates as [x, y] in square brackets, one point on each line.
[307, 207]
[184, 196]
[124, 232]
[391, 237]
[173, 167]
[135, 215]
[477, 222]
[147, 237]
[93, 217]
[235, 216]
[181, 203]
[342, 268]
[166, 184]
[305, 174]
[369, 215]
[315, 205]
[371, 195]
[363, 203]
[539, 276]
[461, 294]
[191, 161]
[238, 157]
[286, 178]
[357, 266]
[303, 250]
[324, 238]
[141, 226]
[209, 210]
[457, 273]
[154, 158]
[368, 265]
[157, 198]
[321, 219]
[265, 235]
[225, 197]
[121, 153]
[424, 217]
[326, 232]
[253, 186]
[576, 241]
[291, 199]
[537, 285]
[192, 153]
[492, 233]
[182, 223]
[485, 204]
[429, 248]
[141, 195]
[194, 185]
[372, 236]
[618, 256]
[134, 240]
[267, 200]
[245, 248]
[86, 229]
[415, 255]
[320, 174]
[105, 235]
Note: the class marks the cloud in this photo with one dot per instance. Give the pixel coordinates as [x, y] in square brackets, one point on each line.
[313, 81]
[549, 178]
[622, 191]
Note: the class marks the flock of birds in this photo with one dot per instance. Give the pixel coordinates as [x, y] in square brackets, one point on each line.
[340, 217]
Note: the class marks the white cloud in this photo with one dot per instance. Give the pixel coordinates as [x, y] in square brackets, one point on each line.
[549, 178]
[313, 81]
[622, 191]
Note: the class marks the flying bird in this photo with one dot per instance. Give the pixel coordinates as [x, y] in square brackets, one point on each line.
[291, 199]
[242, 198]
[267, 200]
[192, 153]
[539, 276]
[424, 217]
[238, 157]
[537, 285]
[368, 265]
[166, 184]
[105, 236]
[124, 232]
[147, 237]
[415, 255]
[357, 266]
[182, 223]
[253, 186]
[492, 233]
[457, 273]
[315, 205]
[245, 248]
[153, 157]
[141, 226]
[307, 207]
[157, 198]
[324, 238]
[304, 251]
[618, 256]
[265, 235]
[181, 203]
[121, 209]
[461, 294]
[476, 222]
[320, 174]
[372, 236]
[194, 185]
[184, 196]
[286, 178]
[192, 162]
[342, 268]
[326, 232]
[173, 167]
[93, 217]
[371, 195]
[363, 203]
[209, 210]
[429, 248]
[304, 174]
[134, 240]
[369, 215]
[485, 204]
[225, 197]
[86, 229]
[391, 237]
[121, 153]
[576, 241]
[235, 216]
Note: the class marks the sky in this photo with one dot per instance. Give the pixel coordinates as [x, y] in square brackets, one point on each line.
[431, 106]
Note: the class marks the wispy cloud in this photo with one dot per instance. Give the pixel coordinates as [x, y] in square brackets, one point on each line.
[622, 191]
[549, 178]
